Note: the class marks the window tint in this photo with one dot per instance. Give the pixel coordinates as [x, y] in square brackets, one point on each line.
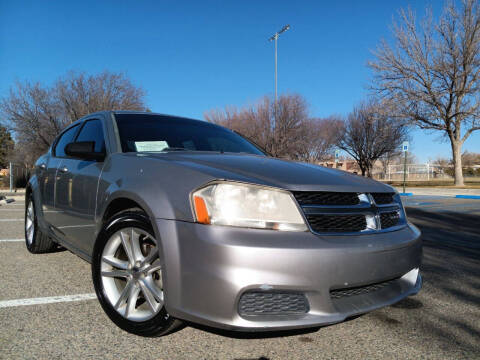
[65, 139]
[92, 131]
[140, 132]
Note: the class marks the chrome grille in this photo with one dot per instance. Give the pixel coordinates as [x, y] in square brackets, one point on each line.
[272, 303]
[350, 212]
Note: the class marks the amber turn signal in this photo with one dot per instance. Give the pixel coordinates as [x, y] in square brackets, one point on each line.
[201, 210]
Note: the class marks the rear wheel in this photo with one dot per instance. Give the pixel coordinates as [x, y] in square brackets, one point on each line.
[127, 275]
[36, 241]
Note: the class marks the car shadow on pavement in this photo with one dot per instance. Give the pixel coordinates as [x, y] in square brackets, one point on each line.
[253, 334]
[451, 272]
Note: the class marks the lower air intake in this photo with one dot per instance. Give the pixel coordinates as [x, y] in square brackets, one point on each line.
[360, 290]
[272, 303]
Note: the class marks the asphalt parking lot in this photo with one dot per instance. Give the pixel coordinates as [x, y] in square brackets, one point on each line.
[441, 322]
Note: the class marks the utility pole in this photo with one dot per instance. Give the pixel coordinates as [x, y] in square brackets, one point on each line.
[405, 150]
[11, 176]
[275, 38]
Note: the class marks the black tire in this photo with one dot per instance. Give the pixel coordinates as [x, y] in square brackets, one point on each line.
[162, 323]
[41, 242]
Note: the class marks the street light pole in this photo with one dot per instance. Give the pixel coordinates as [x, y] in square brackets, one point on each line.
[275, 38]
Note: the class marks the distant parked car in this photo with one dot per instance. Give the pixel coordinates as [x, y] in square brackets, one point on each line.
[186, 220]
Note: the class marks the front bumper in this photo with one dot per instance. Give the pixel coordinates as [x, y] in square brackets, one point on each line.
[208, 268]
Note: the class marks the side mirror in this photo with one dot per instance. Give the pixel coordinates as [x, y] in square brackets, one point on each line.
[84, 150]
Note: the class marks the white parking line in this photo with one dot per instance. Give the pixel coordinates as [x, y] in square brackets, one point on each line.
[22, 210]
[46, 300]
[11, 240]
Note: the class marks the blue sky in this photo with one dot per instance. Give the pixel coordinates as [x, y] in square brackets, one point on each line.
[192, 56]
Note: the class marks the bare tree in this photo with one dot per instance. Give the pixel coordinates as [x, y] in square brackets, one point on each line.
[37, 114]
[296, 135]
[319, 139]
[442, 162]
[369, 133]
[470, 159]
[433, 73]
[388, 159]
[80, 94]
[6, 146]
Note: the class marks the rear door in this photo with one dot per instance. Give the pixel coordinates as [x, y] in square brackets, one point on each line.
[76, 190]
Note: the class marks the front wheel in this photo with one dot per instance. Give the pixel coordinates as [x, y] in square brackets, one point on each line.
[127, 275]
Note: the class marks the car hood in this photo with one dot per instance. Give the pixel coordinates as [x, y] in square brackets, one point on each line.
[270, 171]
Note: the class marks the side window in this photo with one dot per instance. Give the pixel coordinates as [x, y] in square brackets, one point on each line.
[92, 131]
[65, 139]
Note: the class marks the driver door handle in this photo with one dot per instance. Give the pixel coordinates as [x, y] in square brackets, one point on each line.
[63, 169]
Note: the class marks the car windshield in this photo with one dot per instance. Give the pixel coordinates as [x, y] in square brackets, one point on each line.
[152, 133]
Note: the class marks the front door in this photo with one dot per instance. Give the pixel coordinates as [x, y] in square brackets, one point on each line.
[76, 191]
[49, 168]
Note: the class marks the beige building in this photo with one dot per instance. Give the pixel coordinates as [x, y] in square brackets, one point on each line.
[345, 165]
[351, 166]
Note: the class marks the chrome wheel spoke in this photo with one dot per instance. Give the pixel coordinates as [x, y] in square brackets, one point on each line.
[156, 292]
[152, 255]
[116, 273]
[149, 296]
[124, 295]
[135, 241]
[117, 263]
[128, 248]
[153, 267]
[132, 300]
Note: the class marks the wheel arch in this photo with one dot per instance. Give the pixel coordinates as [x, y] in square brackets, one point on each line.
[122, 201]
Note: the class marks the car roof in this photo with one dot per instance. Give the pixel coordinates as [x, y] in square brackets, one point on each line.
[136, 112]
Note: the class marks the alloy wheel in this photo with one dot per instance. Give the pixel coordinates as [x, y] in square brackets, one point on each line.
[30, 223]
[131, 274]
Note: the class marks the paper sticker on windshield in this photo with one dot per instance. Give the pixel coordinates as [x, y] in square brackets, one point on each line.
[150, 145]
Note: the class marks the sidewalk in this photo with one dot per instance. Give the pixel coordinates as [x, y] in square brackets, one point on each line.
[439, 191]
[19, 195]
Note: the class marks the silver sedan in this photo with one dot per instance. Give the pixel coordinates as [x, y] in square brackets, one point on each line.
[186, 220]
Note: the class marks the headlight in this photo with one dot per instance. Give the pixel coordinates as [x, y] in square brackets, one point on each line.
[247, 206]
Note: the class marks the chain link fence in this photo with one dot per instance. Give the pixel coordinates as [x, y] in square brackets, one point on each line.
[416, 172]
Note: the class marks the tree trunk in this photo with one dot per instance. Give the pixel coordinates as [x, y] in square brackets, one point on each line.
[457, 161]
